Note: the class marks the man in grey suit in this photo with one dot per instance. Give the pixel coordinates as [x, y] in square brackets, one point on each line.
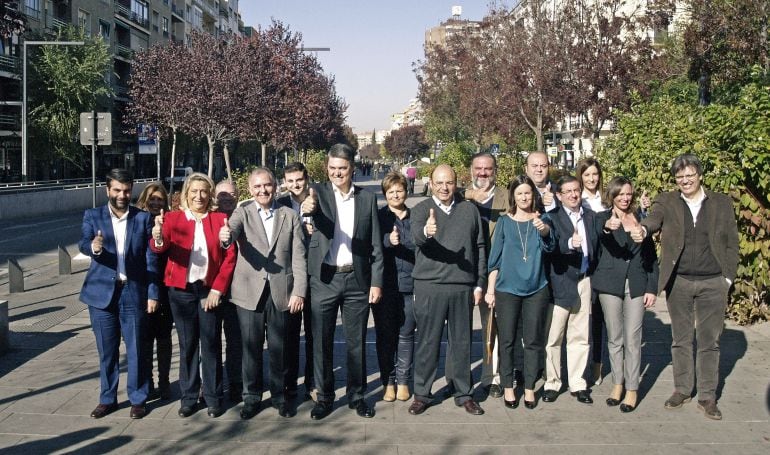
[345, 264]
[269, 287]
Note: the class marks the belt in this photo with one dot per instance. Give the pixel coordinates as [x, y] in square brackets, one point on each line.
[347, 268]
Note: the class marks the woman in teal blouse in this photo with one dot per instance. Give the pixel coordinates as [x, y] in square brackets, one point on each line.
[518, 285]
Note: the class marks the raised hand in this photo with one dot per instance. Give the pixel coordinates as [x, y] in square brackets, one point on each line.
[637, 233]
[613, 222]
[577, 240]
[157, 230]
[547, 195]
[541, 227]
[310, 203]
[430, 225]
[395, 238]
[98, 243]
[225, 236]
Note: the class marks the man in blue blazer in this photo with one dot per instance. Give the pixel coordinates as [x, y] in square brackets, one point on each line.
[119, 289]
[570, 267]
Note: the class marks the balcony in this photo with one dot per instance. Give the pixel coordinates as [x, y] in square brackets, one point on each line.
[123, 11]
[207, 8]
[223, 9]
[9, 122]
[10, 64]
[124, 51]
[32, 13]
[177, 11]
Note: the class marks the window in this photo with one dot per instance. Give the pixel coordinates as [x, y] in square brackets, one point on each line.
[32, 8]
[84, 21]
[165, 26]
[104, 30]
[139, 10]
[155, 20]
[197, 17]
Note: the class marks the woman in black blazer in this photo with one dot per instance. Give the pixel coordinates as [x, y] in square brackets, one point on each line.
[626, 280]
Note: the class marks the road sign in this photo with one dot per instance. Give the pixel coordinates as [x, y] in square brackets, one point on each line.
[103, 128]
[494, 149]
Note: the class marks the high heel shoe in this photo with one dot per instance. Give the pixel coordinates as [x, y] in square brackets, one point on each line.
[510, 404]
[530, 404]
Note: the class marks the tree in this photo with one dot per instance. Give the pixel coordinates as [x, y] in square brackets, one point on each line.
[65, 81]
[12, 21]
[370, 152]
[405, 142]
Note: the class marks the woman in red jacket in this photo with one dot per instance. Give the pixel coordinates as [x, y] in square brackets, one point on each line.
[197, 274]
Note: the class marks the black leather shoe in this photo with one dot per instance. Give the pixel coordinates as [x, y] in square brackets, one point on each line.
[583, 396]
[495, 391]
[215, 411]
[627, 408]
[249, 410]
[511, 404]
[320, 410]
[472, 408]
[286, 410]
[164, 391]
[235, 392]
[612, 402]
[530, 404]
[362, 409]
[549, 396]
[137, 411]
[187, 411]
[417, 407]
[102, 410]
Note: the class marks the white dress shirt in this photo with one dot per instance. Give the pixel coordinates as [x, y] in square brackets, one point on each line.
[341, 250]
[119, 226]
[594, 202]
[695, 204]
[199, 256]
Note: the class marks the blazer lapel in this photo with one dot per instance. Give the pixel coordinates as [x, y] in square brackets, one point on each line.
[129, 229]
[107, 231]
[278, 219]
[259, 227]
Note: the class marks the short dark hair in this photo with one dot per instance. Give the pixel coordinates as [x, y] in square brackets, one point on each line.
[686, 160]
[120, 176]
[343, 151]
[567, 179]
[393, 178]
[515, 183]
[295, 167]
[583, 166]
[484, 155]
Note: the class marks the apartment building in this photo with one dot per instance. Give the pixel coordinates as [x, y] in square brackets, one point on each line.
[127, 26]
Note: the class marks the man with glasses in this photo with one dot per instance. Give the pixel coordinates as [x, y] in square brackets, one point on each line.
[570, 266]
[698, 265]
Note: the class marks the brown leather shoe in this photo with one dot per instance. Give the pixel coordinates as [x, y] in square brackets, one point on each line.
[102, 410]
[417, 407]
[473, 408]
[138, 411]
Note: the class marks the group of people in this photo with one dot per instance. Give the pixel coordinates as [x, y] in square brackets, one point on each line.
[547, 263]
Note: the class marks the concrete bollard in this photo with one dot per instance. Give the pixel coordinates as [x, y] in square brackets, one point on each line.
[65, 262]
[4, 342]
[15, 277]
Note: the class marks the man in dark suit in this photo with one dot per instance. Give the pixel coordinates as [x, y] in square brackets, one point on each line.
[121, 286]
[269, 286]
[345, 264]
[297, 183]
[698, 266]
[570, 266]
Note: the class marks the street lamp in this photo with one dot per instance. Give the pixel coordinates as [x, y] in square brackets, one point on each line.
[24, 96]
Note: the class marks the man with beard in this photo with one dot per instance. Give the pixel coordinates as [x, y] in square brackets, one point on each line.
[491, 201]
[121, 286]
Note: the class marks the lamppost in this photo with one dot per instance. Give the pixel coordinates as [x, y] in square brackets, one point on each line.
[24, 95]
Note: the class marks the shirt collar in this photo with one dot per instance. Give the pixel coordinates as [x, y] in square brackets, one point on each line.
[700, 197]
[574, 214]
[586, 195]
[441, 205]
[190, 217]
[345, 196]
[116, 217]
[490, 193]
[269, 211]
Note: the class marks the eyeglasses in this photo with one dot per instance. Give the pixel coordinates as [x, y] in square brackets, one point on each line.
[570, 192]
[688, 177]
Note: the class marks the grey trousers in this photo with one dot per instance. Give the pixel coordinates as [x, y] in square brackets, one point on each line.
[623, 319]
[697, 310]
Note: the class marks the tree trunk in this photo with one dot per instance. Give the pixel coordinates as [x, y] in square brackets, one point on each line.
[263, 163]
[226, 153]
[173, 158]
[210, 139]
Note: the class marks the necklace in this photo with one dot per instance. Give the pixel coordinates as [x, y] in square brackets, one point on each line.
[523, 240]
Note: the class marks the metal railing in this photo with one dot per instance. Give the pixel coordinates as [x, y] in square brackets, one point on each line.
[31, 12]
[54, 23]
[178, 10]
[124, 51]
[10, 63]
[10, 120]
[132, 16]
[55, 185]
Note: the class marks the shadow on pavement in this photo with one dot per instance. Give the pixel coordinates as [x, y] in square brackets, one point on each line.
[65, 441]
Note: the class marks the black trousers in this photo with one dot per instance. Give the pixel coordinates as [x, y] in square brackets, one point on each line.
[159, 325]
[530, 312]
[307, 324]
[339, 292]
[388, 318]
[282, 330]
[200, 344]
[432, 310]
[233, 344]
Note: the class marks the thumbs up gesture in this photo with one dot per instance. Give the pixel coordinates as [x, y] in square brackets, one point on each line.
[614, 222]
[224, 233]
[310, 203]
[430, 225]
[541, 227]
[547, 195]
[637, 232]
[157, 230]
[644, 201]
[97, 243]
[395, 239]
[577, 240]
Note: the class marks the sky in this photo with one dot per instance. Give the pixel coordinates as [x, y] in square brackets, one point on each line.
[373, 45]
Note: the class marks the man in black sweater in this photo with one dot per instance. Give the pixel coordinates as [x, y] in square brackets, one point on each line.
[450, 264]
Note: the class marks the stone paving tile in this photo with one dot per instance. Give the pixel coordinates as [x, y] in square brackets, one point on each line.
[47, 402]
[199, 426]
[303, 431]
[80, 442]
[55, 425]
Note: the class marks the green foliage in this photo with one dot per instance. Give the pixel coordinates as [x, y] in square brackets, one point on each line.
[508, 167]
[316, 165]
[241, 181]
[458, 156]
[64, 81]
[733, 143]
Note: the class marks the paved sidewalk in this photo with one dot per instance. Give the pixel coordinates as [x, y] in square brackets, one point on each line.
[49, 385]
